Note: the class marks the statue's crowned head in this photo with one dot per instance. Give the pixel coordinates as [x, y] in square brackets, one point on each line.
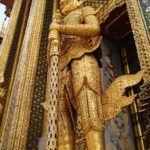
[68, 5]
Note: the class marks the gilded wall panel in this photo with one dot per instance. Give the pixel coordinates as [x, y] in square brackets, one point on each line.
[7, 70]
[145, 5]
[10, 64]
[140, 36]
[10, 34]
[19, 108]
[37, 113]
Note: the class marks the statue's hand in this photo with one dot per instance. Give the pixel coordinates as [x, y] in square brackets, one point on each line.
[55, 26]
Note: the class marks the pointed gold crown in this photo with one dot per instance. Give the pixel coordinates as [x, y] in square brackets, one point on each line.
[67, 5]
[66, 2]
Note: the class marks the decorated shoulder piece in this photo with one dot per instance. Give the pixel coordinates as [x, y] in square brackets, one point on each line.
[113, 98]
[90, 27]
[87, 11]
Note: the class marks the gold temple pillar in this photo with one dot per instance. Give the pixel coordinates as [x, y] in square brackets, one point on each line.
[16, 121]
[16, 25]
[8, 39]
[143, 49]
[140, 35]
[6, 51]
[16, 59]
[51, 103]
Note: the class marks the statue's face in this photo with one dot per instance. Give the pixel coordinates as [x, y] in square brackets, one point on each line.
[67, 5]
[64, 3]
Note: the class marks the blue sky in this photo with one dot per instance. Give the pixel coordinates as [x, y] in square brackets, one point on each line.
[2, 16]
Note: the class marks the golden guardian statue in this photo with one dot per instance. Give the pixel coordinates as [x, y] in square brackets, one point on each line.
[76, 38]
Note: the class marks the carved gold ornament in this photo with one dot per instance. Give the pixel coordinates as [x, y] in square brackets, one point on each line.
[113, 99]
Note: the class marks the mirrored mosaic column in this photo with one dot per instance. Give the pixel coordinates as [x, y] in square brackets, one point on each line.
[51, 104]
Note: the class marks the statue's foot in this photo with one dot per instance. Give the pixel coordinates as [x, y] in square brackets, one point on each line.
[95, 140]
[66, 143]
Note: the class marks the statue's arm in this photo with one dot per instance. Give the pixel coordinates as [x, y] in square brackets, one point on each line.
[90, 27]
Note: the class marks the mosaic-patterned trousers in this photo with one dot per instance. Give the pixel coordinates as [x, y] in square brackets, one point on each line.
[86, 79]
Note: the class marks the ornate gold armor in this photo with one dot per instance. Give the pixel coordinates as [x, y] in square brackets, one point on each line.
[79, 38]
[80, 79]
[76, 51]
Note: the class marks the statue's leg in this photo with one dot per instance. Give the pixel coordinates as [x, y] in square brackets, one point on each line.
[86, 83]
[65, 127]
[91, 121]
[65, 132]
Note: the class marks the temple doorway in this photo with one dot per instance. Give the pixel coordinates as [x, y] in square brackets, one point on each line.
[119, 56]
